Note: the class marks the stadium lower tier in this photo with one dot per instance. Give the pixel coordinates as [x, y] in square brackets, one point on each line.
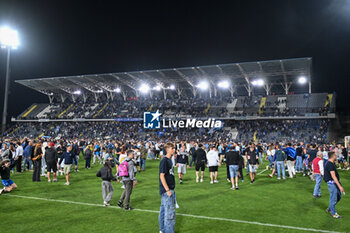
[308, 131]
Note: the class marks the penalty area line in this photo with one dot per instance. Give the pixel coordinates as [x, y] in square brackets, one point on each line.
[179, 214]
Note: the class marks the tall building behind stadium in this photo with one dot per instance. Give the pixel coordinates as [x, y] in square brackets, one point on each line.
[259, 101]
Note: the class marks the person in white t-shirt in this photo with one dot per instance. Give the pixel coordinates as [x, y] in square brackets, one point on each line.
[213, 162]
[270, 154]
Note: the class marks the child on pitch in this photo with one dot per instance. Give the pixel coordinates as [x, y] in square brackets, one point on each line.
[5, 168]
[107, 176]
[181, 161]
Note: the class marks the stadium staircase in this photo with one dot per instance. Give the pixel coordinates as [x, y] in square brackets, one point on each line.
[99, 111]
[328, 101]
[207, 109]
[31, 108]
[231, 106]
[61, 114]
[43, 113]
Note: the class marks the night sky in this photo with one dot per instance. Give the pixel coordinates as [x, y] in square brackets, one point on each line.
[84, 37]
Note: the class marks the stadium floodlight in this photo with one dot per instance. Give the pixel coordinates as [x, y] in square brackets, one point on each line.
[258, 82]
[77, 92]
[172, 87]
[8, 38]
[99, 91]
[203, 85]
[117, 90]
[224, 84]
[157, 88]
[302, 80]
[144, 88]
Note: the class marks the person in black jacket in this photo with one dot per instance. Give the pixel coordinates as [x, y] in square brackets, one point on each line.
[88, 156]
[107, 188]
[232, 161]
[201, 161]
[5, 171]
[51, 158]
[37, 162]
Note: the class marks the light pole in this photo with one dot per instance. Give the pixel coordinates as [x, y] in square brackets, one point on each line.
[8, 40]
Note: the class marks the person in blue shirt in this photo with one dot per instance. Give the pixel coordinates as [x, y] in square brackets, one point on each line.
[97, 152]
[27, 153]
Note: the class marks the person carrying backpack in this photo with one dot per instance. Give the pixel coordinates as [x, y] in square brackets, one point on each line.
[126, 171]
[107, 188]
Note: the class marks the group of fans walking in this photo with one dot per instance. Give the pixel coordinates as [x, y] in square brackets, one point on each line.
[51, 158]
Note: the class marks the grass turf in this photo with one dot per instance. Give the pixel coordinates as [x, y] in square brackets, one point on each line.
[281, 202]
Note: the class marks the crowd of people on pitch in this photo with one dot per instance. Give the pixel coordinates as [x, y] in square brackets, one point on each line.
[51, 158]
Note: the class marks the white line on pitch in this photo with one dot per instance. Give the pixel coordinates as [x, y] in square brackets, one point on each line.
[262, 171]
[180, 214]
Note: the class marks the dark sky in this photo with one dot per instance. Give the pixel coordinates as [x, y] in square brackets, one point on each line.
[84, 37]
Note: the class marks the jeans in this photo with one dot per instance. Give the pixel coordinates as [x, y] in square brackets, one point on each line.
[143, 164]
[334, 198]
[192, 160]
[299, 164]
[270, 158]
[127, 192]
[167, 213]
[88, 163]
[27, 160]
[107, 191]
[233, 171]
[43, 166]
[260, 158]
[317, 189]
[280, 166]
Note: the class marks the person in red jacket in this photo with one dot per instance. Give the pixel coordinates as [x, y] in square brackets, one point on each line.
[318, 173]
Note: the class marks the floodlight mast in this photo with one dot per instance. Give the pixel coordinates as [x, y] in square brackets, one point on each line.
[8, 40]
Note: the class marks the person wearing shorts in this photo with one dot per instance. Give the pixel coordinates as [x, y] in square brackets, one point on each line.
[68, 163]
[51, 156]
[213, 162]
[5, 172]
[201, 160]
[253, 160]
[182, 162]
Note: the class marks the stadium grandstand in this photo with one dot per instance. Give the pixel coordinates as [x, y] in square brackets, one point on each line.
[262, 100]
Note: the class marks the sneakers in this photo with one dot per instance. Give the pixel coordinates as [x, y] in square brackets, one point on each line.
[123, 187]
[120, 204]
[337, 216]
[55, 180]
[201, 180]
[67, 183]
[211, 182]
[177, 206]
[197, 179]
[49, 181]
[181, 182]
[128, 208]
[237, 188]
[270, 176]
[106, 203]
[1, 191]
[233, 188]
[216, 181]
[328, 210]
[316, 196]
[228, 180]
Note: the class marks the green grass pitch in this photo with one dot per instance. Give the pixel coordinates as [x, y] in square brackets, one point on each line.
[280, 202]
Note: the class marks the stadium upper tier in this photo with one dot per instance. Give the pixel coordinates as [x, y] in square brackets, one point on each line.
[242, 131]
[316, 105]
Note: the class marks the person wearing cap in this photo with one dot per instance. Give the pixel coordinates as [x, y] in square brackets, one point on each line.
[51, 157]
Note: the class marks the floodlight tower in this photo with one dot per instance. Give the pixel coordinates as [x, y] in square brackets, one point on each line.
[8, 40]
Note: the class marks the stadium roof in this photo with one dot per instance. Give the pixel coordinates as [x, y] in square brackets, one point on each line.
[275, 74]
